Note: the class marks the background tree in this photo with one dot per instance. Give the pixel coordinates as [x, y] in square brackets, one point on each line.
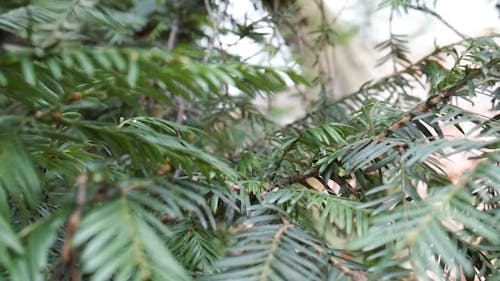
[131, 149]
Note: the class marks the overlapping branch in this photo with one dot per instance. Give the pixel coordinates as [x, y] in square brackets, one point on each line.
[442, 97]
[424, 107]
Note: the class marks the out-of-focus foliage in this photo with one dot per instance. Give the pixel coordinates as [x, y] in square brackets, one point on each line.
[131, 149]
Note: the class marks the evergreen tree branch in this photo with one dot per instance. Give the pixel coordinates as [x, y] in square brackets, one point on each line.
[412, 69]
[69, 112]
[442, 97]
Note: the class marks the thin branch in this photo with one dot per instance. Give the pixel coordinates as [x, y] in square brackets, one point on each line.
[394, 66]
[442, 97]
[181, 104]
[179, 120]
[426, 10]
[277, 165]
[314, 173]
[69, 255]
[270, 257]
[172, 36]
[355, 275]
[299, 178]
[215, 27]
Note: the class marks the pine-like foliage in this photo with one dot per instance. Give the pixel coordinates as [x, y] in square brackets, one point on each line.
[123, 158]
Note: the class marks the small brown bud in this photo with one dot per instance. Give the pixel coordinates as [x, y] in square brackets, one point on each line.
[76, 96]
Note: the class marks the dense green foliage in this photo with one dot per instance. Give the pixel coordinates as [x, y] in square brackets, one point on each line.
[124, 158]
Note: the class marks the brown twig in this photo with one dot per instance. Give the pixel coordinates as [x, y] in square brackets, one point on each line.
[432, 102]
[69, 255]
[314, 173]
[274, 247]
[181, 105]
[172, 36]
[354, 274]
[299, 178]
